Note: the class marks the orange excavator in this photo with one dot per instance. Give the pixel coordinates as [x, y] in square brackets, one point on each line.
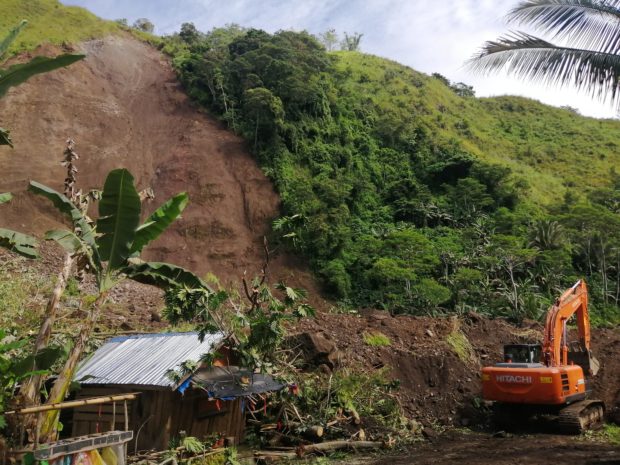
[552, 380]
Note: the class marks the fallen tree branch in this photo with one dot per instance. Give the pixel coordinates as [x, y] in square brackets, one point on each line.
[323, 447]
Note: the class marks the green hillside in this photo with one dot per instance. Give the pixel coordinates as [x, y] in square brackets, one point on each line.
[553, 149]
[406, 192]
[51, 22]
[402, 190]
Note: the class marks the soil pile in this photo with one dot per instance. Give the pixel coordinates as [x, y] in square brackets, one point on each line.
[125, 108]
[438, 360]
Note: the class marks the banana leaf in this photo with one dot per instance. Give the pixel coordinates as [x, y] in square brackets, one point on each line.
[80, 222]
[119, 216]
[164, 275]
[21, 72]
[157, 223]
[8, 40]
[19, 243]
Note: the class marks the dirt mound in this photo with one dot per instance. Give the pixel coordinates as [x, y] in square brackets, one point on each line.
[438, 360]
[125, 108]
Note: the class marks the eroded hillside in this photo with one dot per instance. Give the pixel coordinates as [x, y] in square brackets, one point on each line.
[124, 108]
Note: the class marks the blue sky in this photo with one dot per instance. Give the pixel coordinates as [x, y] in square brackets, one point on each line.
[430, 36]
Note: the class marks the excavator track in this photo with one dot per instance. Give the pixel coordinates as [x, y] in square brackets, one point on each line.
[581, 416]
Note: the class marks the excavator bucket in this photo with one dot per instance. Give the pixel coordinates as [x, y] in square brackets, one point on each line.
[595, 365]
[584, 359]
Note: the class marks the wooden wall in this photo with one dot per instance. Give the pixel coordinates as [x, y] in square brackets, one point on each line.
[199, 417]
[158, 416]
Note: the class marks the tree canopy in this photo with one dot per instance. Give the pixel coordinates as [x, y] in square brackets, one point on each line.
[389, 211]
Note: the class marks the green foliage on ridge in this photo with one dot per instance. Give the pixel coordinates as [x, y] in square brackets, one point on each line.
[408, 194]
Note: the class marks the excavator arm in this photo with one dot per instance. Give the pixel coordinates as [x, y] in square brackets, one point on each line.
[573, 301]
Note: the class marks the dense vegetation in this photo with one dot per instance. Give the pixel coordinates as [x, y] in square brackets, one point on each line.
[406, 195]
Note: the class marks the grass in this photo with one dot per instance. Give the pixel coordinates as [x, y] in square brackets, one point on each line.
[22, 294]
[461, 346]
[552, 149]
[51, 22]
[609, 434]
[376, 339]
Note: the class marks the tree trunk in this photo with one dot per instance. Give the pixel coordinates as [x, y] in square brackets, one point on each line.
[29, 391]
[515, 291]
[603, 268]
[617, 276]
[47, 429]
[256, 134]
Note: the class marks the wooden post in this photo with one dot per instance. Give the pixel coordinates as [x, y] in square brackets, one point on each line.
[36, 431]
[126, 416]
[113, 425]
[126, 424]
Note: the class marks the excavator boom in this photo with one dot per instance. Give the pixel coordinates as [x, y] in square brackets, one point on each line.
[573, 301]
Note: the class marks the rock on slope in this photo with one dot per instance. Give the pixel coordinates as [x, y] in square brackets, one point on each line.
[125, 108]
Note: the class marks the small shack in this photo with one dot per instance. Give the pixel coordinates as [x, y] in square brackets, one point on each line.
[211, 406]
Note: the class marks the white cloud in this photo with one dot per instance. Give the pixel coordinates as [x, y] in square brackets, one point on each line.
[430, 36]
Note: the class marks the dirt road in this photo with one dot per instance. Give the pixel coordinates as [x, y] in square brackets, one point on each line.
[482, 449]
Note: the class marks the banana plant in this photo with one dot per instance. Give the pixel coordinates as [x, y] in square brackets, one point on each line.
[14, 369]
[21, 72]
[22, 244]
[110, 250]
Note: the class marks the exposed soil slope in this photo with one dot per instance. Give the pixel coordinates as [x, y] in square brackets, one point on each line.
[125, 108]
[438, 360]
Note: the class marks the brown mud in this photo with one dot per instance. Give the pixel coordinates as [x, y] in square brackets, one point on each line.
[483, 449]
[125, 108]
[437, 360]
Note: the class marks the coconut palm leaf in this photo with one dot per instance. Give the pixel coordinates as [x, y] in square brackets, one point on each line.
[530, 57]
[157, 223]
[21, 72]
[119, 215]
[19, 243]
[591, 24]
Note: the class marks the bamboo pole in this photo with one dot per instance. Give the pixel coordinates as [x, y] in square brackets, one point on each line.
[73, 403]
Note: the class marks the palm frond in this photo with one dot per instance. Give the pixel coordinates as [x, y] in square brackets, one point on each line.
[590, 24]
[533, 58]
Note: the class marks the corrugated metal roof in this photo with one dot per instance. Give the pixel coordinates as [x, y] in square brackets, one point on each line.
[144, 359]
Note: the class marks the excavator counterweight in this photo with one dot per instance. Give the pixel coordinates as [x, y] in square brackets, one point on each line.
[551, 379]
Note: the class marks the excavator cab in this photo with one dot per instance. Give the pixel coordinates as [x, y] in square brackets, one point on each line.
[522, 353]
